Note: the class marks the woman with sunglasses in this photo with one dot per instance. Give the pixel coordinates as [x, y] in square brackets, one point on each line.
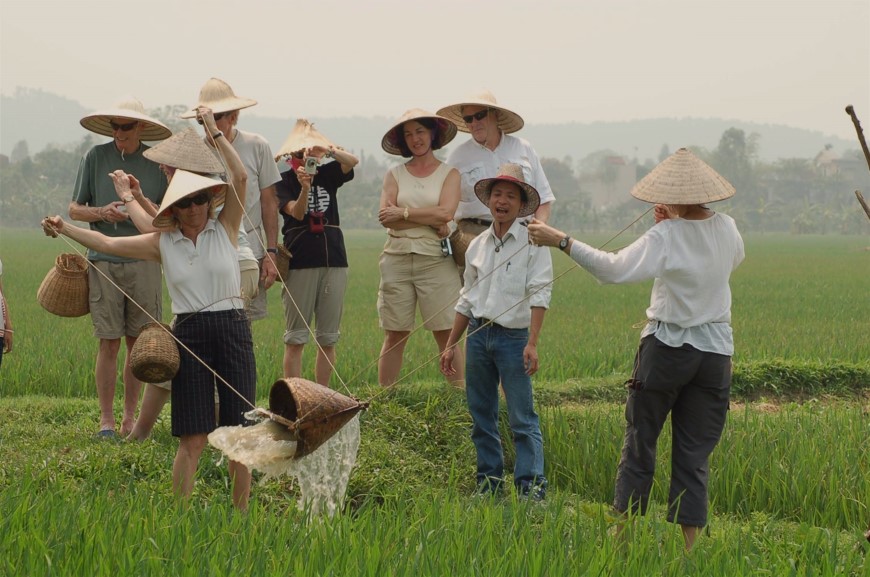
[417, 202]
[184, 150]
[199, 263]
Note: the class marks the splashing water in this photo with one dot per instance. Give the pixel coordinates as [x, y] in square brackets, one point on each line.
[270, 448]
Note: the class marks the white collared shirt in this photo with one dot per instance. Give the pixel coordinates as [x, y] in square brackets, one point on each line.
[476, 162]
[521, 278]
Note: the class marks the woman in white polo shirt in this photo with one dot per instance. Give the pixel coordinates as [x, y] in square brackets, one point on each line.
[199, 258]
[683, 365]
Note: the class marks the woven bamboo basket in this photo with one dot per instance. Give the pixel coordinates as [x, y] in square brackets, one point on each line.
[316, 412]
[155, 358]
[282, 261]
[460, 241]
[64, 290]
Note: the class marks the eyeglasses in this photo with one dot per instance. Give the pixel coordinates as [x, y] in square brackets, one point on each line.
[123, 127]
[217, 117]
[476, 116]
[199, 200]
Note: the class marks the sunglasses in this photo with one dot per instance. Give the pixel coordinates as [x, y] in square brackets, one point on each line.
[476, 116]
[123, 127]
[199, 200]
[217, 117]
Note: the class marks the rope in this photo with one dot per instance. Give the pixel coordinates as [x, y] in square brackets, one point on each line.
[491, 321]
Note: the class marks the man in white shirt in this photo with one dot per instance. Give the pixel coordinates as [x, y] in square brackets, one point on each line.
[261, 202]
[506, 293]
[491, 145]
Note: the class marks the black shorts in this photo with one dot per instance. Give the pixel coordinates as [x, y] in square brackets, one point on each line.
[222, 340]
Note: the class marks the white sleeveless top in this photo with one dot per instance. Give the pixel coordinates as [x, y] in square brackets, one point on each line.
[201, 277]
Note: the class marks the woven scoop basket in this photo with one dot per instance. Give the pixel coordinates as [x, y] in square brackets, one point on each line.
[64, 290]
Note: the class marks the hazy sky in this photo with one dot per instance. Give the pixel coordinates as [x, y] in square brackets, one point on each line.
[794, 62]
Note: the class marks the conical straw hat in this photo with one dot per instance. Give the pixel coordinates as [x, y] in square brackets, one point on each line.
[303, 135]
[510, 173]
[508, 121]
[219, 96]
[317, 412]
[182, 184]
[446, 130]
[682, 178]
[132, 109]
[187, 151]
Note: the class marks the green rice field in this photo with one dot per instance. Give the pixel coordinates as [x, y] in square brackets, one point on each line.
[789, 493]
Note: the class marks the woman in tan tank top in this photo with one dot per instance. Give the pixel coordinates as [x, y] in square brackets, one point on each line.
[417, 203]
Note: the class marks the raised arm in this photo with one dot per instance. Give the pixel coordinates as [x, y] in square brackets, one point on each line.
[231, 215]
[139, 208]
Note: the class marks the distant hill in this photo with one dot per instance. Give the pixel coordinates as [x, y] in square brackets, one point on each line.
[42, 118]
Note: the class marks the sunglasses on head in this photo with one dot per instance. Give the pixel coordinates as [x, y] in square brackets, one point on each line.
[217, 117]
[199, 199]
[476, 116]
[123, 127]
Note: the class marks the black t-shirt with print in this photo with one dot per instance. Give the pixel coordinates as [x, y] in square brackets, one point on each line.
[314, 250]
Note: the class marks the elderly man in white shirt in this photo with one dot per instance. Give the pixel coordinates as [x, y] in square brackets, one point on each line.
[491, 145]
[506, 294]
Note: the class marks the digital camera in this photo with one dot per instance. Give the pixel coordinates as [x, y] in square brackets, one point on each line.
[446, 247]
[311, 165]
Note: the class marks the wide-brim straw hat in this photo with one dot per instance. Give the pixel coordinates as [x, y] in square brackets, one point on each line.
[128, 108]
[446, 130]
[682, 178]
[508, 120]
[512, 173]
[303, 135]
[182, 184]
[187, 151]
[219, 96]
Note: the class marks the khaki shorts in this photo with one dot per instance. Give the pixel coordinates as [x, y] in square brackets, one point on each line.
[256, 306]
[113, 314]
[407, 279]
[318, 293]
[250, 272]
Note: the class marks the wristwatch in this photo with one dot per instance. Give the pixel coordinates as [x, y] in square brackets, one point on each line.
[563, 244]
[272, 250]
[217, 135]
[406, 213]
[128, 198]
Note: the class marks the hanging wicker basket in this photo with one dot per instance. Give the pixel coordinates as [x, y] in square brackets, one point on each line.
[314, 412]
[64, 290]
[155, 358]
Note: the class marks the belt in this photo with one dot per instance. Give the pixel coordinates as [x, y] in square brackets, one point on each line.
[486, 322]
[478, 221]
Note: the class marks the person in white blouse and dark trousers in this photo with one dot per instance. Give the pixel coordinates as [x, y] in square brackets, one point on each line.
[683, 365]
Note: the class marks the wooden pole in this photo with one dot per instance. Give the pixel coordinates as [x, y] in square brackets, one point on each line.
[863, 203]
[851, 112]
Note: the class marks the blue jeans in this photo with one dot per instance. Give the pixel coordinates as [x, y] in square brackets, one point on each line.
[495, 353]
